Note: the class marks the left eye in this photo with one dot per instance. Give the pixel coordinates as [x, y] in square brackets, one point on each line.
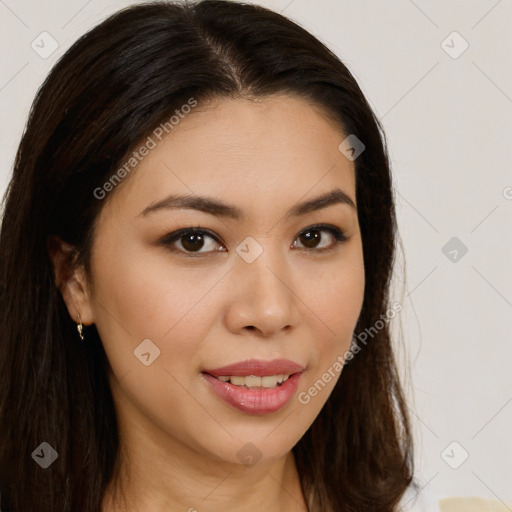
[193, 240]
[312, 235]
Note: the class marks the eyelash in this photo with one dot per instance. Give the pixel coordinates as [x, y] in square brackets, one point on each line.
[168, 240]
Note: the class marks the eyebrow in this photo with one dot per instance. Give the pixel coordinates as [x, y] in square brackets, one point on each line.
[220, 209]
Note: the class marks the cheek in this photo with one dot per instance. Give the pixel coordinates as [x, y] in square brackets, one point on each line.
[347, 299]
[149, 298]
[338, 297]
[140, 297]
[335, 308]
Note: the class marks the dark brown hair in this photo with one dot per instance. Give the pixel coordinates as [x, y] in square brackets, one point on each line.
[117, 82]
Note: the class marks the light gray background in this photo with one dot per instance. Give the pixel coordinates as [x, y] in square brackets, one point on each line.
[449, 126]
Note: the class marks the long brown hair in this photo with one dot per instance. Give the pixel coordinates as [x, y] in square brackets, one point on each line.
[114, 85]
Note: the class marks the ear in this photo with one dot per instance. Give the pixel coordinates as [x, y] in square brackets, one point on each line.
[71, 280]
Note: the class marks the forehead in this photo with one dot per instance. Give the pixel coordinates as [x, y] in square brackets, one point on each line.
[264, 153]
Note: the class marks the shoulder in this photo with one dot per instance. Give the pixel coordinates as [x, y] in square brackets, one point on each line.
[421, 500]
[473, 505]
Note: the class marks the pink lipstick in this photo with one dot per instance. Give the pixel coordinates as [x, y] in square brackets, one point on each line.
[255, 386]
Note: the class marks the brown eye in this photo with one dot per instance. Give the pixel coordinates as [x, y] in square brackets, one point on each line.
[311, 237]
[191, 241]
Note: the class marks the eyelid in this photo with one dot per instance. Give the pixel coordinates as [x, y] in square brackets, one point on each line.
[338, 234]
[175, 235]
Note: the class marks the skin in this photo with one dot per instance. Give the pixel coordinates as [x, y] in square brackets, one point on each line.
[179, 440]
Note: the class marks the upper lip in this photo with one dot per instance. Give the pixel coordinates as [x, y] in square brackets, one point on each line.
[258, 368]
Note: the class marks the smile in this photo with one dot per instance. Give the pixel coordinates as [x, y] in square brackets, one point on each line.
[255, 386]
[253, 381]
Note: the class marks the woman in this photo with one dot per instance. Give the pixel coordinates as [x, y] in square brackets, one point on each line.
[195, 259]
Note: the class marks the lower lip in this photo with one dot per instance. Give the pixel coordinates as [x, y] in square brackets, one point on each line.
[255, 400]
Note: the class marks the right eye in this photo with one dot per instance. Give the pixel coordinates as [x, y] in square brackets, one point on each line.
[190, 241]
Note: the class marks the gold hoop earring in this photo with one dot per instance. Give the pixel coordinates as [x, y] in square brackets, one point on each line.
[79, 328]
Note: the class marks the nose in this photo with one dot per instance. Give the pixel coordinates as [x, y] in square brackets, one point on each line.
[263, 298]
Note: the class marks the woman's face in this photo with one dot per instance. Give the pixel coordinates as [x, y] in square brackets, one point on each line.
[256, 285]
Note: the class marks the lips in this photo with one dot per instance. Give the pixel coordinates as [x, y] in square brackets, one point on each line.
[258, 368]
[255, 386]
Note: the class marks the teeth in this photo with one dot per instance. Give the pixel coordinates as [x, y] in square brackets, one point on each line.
[237, 381]
[251, 381]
